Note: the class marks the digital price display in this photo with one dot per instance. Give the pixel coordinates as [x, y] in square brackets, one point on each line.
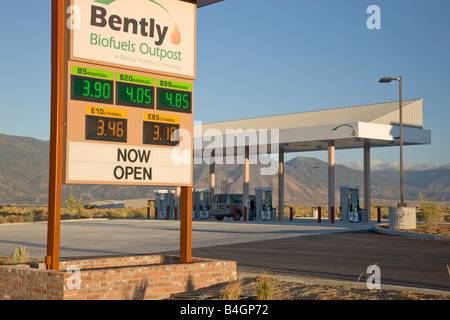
[161, 129]
[92, 89]
[159, 133]
[174, 100]
[134, 95]
[104, 124]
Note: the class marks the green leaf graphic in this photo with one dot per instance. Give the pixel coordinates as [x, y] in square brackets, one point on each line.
[107, 2]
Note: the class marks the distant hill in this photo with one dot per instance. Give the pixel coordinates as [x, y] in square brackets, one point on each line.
[24, 179]
[24, 173]
[300, 181]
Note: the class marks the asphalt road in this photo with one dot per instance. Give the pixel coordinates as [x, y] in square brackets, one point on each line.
[344, 256]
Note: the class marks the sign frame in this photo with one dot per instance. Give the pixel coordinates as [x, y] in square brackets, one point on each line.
[135, 115]
[61, 52]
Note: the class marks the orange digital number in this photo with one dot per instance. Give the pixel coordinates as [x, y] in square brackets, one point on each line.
[101, 127]
[156, 132]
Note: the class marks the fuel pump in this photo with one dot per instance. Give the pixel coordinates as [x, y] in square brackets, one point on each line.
[204, 204]
[195, 202]
[164, 199]
[350, 209]
[171, 204]
[159, 203]
[201, 203]
[263, 203]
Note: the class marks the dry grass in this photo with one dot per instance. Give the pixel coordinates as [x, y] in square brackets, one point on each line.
[26, 214]
[435, 229]
[248, 288]
[305, 211]
[32, 214]
[439, 229]
[20, 255]
[231, 291]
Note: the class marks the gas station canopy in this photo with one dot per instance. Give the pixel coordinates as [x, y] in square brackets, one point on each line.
[202, 3]
[348, 127]
[365, 127]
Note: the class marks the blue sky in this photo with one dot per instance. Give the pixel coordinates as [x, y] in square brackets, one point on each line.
[261, 58]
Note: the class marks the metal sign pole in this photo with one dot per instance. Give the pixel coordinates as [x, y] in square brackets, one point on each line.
[56, 136]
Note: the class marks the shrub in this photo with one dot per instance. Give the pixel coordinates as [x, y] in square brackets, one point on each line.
[79, 208]
[265, 288]
[118, 214]
[32, 215]
[14, 218]
[429, 211]
[20, 255]
[74, 208]
[137, 213]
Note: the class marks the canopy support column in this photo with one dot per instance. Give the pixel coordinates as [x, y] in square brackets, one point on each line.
[212, 181]
[246, 181]
[281, 184]
[331, 177]
[367, 198]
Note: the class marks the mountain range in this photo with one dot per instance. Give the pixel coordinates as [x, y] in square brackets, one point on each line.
[24, 179]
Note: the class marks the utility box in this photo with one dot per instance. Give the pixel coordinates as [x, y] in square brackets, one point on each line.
[350, 209]
[263, 204]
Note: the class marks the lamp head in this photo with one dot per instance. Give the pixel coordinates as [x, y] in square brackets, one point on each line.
[387, 79]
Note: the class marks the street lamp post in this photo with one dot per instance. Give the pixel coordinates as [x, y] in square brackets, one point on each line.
[388, 80]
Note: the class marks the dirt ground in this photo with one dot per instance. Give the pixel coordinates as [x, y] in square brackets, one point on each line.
[297, 290]
[440, 229]
[247, 287]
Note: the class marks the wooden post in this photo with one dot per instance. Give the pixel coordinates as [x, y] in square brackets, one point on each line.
[186, 225]
[56, 136]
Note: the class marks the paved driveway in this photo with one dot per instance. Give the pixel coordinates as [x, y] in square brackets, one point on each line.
[141, 236]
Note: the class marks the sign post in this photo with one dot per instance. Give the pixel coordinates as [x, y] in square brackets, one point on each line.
[122, 100]
[56, 137]
[186, 225]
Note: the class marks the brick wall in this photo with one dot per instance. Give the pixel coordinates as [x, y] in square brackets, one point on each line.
[135, 277]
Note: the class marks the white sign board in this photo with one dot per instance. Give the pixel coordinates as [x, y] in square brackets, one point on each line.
[126, 164]
[157, 35]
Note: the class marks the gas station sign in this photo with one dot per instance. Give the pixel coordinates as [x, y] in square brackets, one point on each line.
[130, 66]
[155, 35]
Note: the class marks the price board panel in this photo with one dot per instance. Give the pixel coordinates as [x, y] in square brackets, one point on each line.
[129, 93]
